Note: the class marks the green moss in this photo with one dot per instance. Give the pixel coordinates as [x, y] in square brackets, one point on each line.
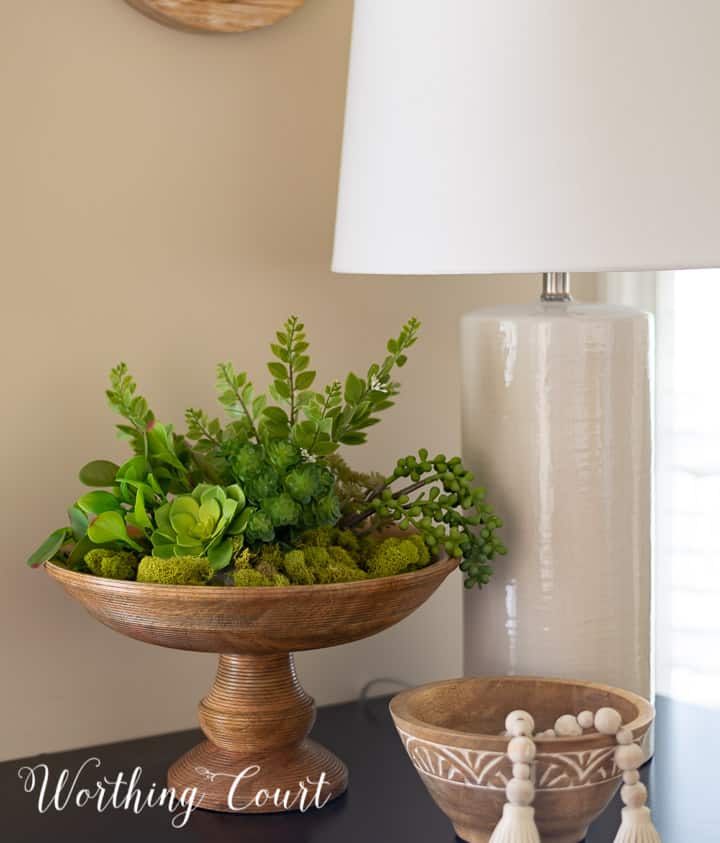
[396, 556]
[316, 558]
[321, 563]
[423, 550]
[367, 545]
[349, 542]
[271, 573]
[176, 570]
[330, 536]
[341, 567]
[113, 564]
[270, 554]
[337, 572]
[251, 577]
[321, 537]
[341, 561]
[243, 560]
[340, 556]
[296, 569]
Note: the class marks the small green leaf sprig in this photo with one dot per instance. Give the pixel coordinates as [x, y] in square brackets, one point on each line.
[365, 398]
[317, 422]
[441, 503]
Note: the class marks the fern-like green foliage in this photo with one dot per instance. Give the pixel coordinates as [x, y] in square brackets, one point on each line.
[318, 422]
[164, 452]
[291, 375]
[237, 395]
[365, 398]
[133, 408]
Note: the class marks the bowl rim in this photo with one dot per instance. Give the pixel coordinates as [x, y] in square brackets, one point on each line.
[91, 582]
[406, 721]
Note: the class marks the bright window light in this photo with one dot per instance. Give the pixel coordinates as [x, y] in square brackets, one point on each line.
[688, 487]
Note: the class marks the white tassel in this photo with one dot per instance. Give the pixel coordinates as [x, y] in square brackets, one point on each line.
[637, 827]
[517, 825]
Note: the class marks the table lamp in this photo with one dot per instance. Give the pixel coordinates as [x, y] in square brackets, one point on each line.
[519, 136]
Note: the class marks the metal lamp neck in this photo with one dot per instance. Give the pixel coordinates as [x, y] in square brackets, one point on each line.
[556, 286]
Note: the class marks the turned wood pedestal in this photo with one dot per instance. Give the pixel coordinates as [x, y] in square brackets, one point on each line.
[257, 757]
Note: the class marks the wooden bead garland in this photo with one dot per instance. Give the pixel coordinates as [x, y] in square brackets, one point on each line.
[517, 824]
[607, 721]
[567, 726]
[636, 825]
[586, 719]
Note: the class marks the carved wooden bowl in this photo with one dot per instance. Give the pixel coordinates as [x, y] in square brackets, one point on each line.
[256, 713]
[451, 731]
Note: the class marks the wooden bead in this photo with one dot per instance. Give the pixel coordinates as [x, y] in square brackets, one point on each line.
[629, 757]
[634, 795]
[520, 792]
[521, 771]
[608, 721]
[624, 737]
[567, 726]
[586, 719]
[521, 750]
[519, 723]
[631, 777]
[549, 733]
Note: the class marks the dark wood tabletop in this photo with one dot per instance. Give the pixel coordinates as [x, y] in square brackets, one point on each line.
[386, 802]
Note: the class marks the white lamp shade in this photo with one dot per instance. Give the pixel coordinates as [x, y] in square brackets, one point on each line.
[493, 136]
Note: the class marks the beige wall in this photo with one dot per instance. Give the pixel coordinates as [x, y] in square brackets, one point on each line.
[168, 199]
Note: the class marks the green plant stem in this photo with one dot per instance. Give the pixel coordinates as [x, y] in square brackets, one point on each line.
[206, 433]
[253, 429]
[291, 372]
[323, 416]
[408, 490]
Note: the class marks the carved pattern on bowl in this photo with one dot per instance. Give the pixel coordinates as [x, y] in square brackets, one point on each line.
[484, 769]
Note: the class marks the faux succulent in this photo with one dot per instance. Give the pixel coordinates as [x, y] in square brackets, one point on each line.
[264, 498]
[202, 523]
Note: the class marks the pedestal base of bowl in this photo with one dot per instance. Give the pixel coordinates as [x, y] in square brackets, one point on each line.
[256, 715]
[310, 777]
[257, 757]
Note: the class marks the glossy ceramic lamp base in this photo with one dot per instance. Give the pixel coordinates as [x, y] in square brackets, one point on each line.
[556, 421]
[257, 758]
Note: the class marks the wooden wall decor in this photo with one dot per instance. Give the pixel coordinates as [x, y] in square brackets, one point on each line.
[216, 15]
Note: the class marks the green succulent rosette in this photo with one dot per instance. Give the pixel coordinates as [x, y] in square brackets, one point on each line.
[206, 522]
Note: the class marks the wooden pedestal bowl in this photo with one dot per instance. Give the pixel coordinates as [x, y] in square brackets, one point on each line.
[256, 713]
[451, 731]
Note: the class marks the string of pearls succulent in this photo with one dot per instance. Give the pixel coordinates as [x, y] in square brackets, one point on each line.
[636, 824]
